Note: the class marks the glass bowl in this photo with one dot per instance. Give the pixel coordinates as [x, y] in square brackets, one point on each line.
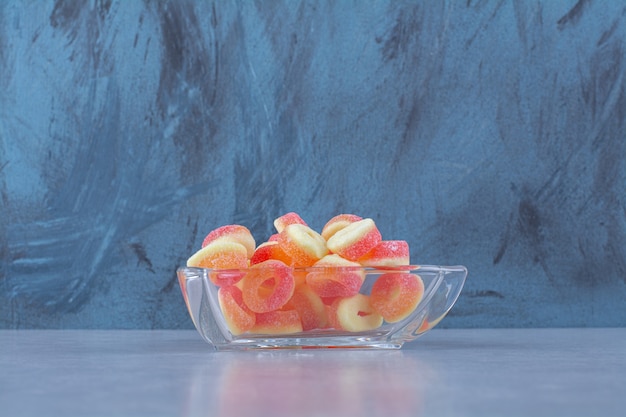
[441, 288]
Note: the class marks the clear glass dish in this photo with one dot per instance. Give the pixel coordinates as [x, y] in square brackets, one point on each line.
[441, 288]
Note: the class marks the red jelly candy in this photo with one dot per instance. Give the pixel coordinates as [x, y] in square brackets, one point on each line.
[387, 253]
[395, 295]
[355, 240]
[277, 322]
[234, 233]
[310, 308]
[267, 286]
[220, 254]
[287, 219]
[304, 245]
[337, 223]
[334, 276]
[238, 317]
[354, 314]
[269, 250]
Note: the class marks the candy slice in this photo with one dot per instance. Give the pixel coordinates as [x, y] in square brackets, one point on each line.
[329, 300]
[304, 245]
[277, 322]
[355, 240]
[273, 238]
[427, 325]
[335, 276]
[299, 276]
[354, 314]
[267, 286]
[387, 253]
[226, 277]
[238, 317]
[309, 306]
[287, 219]
[234, 233]
[269, 250]
[337, 223]
[220, 254]
[396, 295]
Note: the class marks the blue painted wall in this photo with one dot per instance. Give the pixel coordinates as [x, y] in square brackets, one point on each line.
[486, 133]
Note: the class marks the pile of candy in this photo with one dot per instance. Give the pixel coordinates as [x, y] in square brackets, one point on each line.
[300, 280]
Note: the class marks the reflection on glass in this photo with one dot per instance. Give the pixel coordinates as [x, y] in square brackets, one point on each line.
[297, 383]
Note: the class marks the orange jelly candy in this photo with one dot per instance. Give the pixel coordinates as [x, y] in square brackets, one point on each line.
[355, 240]
[269, 250]
[387, 253]
[235, 233]
[277, 322]
[395, 295]
[220, 254]
[309, 306]
[304, 245]
[238, 317]
[354, 314]
[267, 286]
[300, 280]
[337, 223]
[226, 277]
[335, 277]
[287, 219]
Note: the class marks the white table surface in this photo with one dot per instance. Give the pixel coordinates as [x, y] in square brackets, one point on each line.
[523, 372]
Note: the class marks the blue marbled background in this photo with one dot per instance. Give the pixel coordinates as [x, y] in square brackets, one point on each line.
[486, 133]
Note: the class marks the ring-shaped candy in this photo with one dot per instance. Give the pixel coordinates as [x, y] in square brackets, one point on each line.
[267, 286]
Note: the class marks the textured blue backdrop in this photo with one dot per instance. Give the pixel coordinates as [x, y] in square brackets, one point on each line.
[486, 133]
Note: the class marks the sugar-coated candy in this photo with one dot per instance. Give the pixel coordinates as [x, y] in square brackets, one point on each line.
[329, 300]
[309, 306]
[277, 322]
[337, 223]
[267, 286]
[355, 240]
[354, 314]
[304, 245]
[429, 324]
[299, 276]
[425, 326]
[286, 219]
[222, 254]
[335, 276]
[239, 318]
[273, 238]
[269, 250]
[395, 295]
[387, 253]
[226, 277]
[300, 280]
[235, 233]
